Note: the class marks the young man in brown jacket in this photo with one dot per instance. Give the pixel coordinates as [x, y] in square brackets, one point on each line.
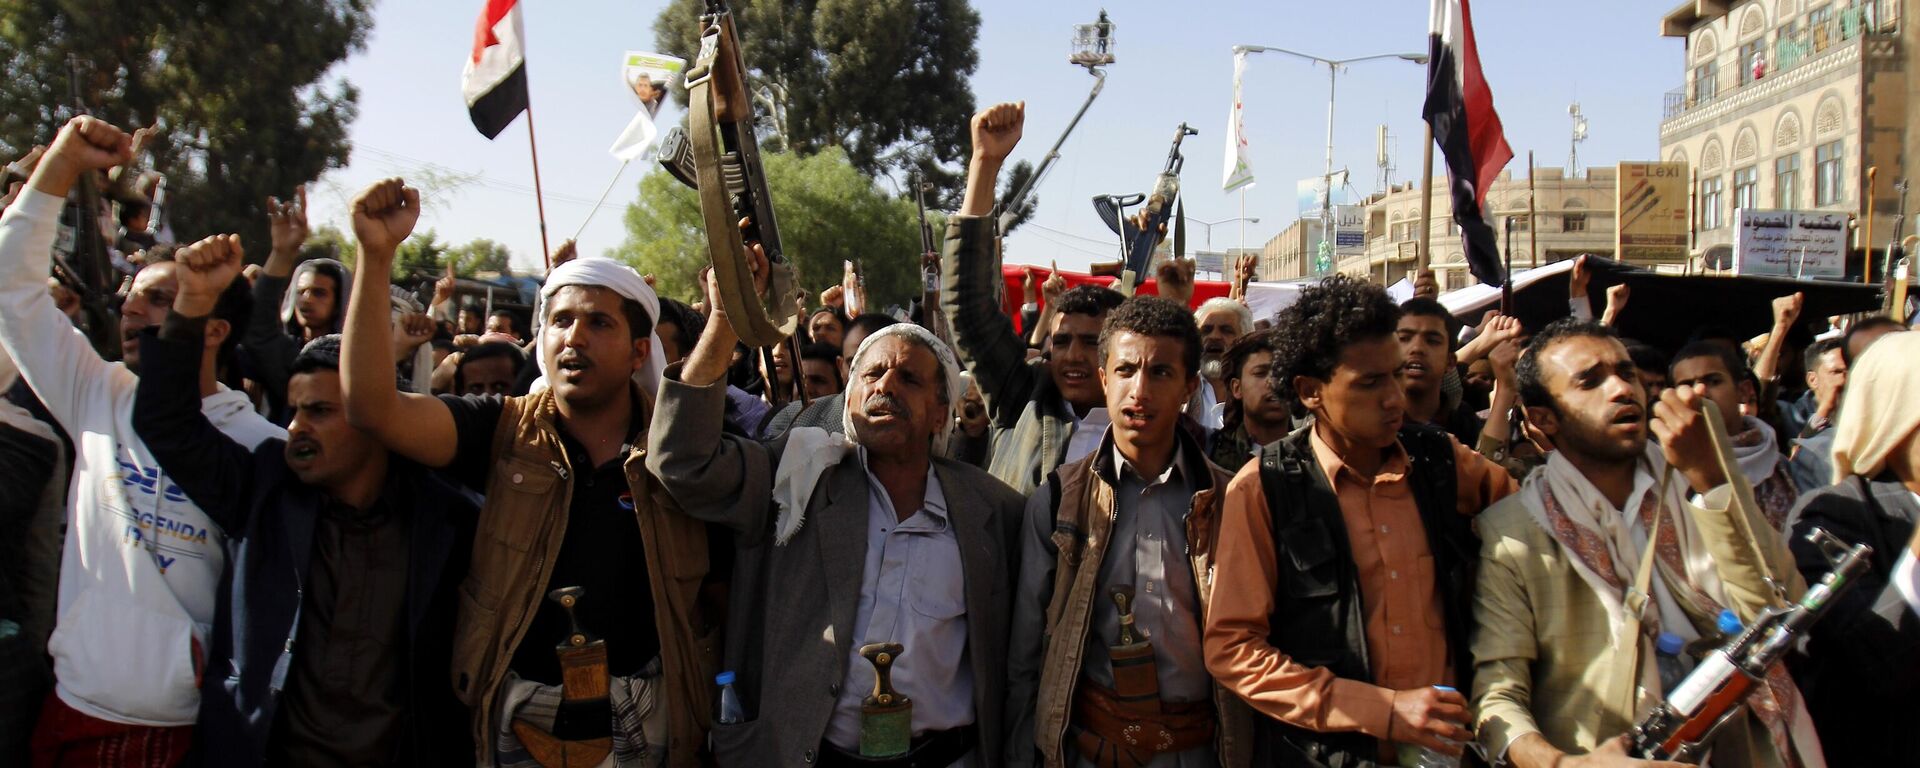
[569, 504]
[1344, 585]
[1106, 665]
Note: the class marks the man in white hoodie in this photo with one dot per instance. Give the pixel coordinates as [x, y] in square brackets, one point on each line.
[141, 563]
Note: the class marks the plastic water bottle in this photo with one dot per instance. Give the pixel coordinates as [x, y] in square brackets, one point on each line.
[1672, 666]
[1415, 756]
[730, 711]
[1729, 623]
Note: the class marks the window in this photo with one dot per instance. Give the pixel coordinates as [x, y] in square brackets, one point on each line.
[1746, 187]
[1573, 222]
[1712, 215]
[1826, 174]
[1456, 279]
[1786, 182]
[1706, 82]
[1753, 63]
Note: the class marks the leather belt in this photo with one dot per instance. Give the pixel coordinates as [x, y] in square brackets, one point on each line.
[933, 749]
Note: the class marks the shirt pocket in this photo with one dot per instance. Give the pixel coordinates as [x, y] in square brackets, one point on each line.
[1306, 560]
[937, 581]
[523, 486]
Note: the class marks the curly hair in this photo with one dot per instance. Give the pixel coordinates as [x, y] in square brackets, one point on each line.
[1328, 317]
[1157, 317]
[1091, 300]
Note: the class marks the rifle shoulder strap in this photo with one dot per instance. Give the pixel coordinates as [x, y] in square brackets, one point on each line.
[1634, 605]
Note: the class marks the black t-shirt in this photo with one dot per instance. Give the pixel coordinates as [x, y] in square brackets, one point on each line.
[601, 552]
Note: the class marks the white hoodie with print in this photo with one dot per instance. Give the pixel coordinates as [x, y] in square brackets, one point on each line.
[141, 564]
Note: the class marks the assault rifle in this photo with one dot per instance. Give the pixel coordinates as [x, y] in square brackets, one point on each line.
[90, 266]
[1137, 241]
[1717, 689]
[733, 185]
[930, 314]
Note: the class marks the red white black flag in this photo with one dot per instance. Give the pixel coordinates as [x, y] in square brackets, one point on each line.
[1460, 108]
[495, 80]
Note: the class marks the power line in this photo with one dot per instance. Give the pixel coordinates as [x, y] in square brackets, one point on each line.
[399, 161]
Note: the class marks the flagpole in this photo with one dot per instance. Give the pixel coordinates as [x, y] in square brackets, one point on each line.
[1533, 229]
[603, 198]
[539, 200]
[1421, 257]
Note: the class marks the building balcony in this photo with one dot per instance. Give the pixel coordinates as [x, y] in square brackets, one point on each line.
[1795, 54]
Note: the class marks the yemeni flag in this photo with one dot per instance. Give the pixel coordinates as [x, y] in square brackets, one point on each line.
[1460, 109]
[495, 80]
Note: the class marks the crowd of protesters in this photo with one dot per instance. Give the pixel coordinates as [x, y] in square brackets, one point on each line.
[297, 515]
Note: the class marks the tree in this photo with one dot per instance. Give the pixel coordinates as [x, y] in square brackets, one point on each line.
[481, 255]
[235, 89]
[872, 77]
[328, 242]
[421, 255]
[827, 211]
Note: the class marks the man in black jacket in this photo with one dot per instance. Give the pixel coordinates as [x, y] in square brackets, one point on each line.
[1863, 660]
[335, 618]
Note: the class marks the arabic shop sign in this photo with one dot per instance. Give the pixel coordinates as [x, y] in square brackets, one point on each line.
[1796, 244]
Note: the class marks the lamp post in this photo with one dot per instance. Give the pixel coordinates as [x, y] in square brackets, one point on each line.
[1211, 224]
[1327, 236]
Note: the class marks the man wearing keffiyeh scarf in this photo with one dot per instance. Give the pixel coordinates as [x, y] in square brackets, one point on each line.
[1715, 373]
[1559, 669]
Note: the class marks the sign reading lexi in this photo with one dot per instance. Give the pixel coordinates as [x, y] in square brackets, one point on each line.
[1797, 244]
[1651, 199]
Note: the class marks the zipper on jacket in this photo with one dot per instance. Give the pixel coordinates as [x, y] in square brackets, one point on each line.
[557, 467]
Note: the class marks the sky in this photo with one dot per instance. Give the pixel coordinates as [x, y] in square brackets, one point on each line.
[1174, 63]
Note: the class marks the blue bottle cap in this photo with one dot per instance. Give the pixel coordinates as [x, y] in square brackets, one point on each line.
[1447, 688]
[1729, 623]
[724, 678]
[1670, 644]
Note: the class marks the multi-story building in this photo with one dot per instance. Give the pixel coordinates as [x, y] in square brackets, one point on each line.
[1786, 105]
[1572, 216]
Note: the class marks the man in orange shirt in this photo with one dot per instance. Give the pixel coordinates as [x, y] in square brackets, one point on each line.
[1342, 595]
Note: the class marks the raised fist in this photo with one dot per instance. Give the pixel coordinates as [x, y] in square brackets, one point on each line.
[1685, 436]
[287, 222]
[567, 251]
[207, 268]
[89, 144]
[997, 129]
[1577, 282]
[1425, 285]
[383, 217]
[1786, 309]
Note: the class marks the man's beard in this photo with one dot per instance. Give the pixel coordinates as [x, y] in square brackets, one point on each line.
[1212, 369]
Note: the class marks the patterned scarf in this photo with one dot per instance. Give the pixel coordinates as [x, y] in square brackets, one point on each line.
[1606, 561]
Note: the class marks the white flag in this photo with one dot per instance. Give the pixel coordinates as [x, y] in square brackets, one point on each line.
[637, 138]
[1239, 168]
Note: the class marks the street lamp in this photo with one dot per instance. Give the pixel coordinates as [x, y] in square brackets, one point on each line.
[1210, 225]
[1333, 72]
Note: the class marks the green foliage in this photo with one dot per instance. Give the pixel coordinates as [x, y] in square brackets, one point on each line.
[886, 81]
[236, 89]
[422, 255]
[481, 255]
[828, 211]
[329, 242]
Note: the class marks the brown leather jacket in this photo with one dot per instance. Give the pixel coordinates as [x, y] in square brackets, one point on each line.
[519, 534]
[1083, 521]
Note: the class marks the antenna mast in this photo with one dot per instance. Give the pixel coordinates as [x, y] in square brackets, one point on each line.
[1579, 135]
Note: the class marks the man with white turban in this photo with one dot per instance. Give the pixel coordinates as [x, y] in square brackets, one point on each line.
[845, 541]
[1863, 661]
[568, 504]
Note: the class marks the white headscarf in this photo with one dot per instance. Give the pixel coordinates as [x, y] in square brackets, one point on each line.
[1882, 406]
[602, 272]
[291, 297]
[811, 451]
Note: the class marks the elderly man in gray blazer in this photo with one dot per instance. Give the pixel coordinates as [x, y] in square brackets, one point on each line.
[847, 539]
